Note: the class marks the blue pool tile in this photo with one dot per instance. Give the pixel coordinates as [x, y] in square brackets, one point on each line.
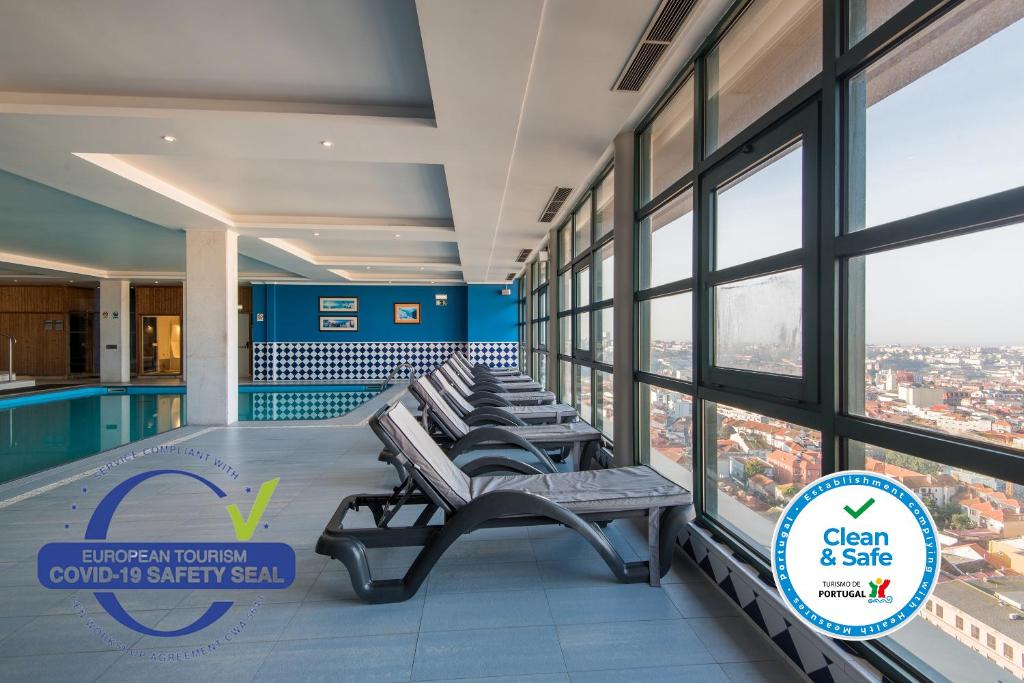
[622, 602]
[362, 659]
[705, 673]
[496, 609]
[488, 652]
[592, 647]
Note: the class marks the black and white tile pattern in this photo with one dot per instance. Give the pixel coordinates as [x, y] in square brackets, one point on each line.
[325, 361]
[822, 659]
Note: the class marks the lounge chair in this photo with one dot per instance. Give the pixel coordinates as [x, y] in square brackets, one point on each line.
[577, 439]
[495, 397]
[491, 383]
[547, 414]
[582, 501]
[461, 359]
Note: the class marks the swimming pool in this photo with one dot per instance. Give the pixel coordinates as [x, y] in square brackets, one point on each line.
[46, 429]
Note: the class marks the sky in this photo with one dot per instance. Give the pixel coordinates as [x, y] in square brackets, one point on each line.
[955, 134]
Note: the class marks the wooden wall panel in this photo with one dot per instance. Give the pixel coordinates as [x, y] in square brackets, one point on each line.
[23, 299]
[85, 299]
[245, 298]
[157, 300]
[40, 352]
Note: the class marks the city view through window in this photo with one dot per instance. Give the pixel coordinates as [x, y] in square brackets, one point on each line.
[936, 335]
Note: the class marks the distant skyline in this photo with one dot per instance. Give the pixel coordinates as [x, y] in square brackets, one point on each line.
[942, 139]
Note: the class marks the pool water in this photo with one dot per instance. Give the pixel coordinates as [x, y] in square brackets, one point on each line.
[44, 430]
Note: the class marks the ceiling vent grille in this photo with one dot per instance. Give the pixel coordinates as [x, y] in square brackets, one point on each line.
[554, 204]
[523, 255]
[659, 34]
[510, 276]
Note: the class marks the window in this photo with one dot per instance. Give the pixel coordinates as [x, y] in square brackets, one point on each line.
[583, 331]
[583, 287]
[667, 336]
[758, 324]
[959, 623]
[772, 49]
[603, 403]
[604, 209]
[604, 336]
[990, 640]
[604, 272]
[565, 335]
[864, 16]
[755, 465]
[565, 244]
[1007, 651]
[564, 291]
[957, 70]
[667, 144]
[565, 394]
[975, 632]
[928, 606]
[540, 319]
[666, 418]
[581, 221]
[938, 613]
[582, 395]
[938, 357]
[667, 243]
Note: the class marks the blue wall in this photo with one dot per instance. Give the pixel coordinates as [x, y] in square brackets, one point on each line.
[491, 316]
[291, 313]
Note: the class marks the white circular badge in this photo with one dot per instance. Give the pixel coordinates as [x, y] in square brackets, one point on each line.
[855, 555]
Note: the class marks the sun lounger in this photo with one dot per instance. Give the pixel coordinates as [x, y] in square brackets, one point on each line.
[581, 501]
[517, 415]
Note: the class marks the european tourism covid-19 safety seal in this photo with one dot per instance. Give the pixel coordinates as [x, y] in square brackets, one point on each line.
[855, 555]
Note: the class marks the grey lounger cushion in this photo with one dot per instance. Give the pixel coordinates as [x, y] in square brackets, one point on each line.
[623, 488]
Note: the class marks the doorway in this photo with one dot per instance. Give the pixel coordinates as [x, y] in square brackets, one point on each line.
[160, 345]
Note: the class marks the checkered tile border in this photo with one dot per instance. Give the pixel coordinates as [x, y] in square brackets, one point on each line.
[325, 361]
[822, 659]
[306, 405]
[494, 354]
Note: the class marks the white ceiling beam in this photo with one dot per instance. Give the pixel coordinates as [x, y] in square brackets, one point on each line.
[356, 276]
[423, 229]
[113, 106]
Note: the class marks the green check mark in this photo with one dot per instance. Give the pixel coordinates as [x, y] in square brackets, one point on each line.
[245, 528]
[859, 511]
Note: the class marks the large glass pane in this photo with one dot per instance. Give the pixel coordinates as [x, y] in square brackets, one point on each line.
[565, 244]
[582, 396]
[760, 213]
[565, 381]
[581, 234]
[668, 243]
[938, 120]
[971, 629]
[759, 324]
[667, 144]
[754, 465]
[604, 221]
[604, 404]
[604, 273]
[772, 50]
[867, 15]
[668, 325]
[542, 272]
[604, 335]
[565, 291]
[565, 335]
[943, 336]
[668, 448]
[583, 287]
[583, 331]
[540, 367]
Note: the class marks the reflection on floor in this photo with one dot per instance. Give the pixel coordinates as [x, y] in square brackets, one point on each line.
[527, 604]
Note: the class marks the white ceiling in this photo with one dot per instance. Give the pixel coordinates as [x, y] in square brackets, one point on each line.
[451, 122]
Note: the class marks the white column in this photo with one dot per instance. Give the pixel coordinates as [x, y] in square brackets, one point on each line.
[115, 330]
[211, 327]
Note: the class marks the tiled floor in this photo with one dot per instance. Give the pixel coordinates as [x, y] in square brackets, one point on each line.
[502, 605]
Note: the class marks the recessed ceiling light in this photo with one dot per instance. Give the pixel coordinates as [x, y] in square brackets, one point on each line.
[397, 235]
[432, 282]
[367, 267]
[316, 234]
[168, 138]
[326, 143]
[422, 268]
[156, 282]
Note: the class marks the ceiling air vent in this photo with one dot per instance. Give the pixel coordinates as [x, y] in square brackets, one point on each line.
[510, 276]
[659, 34]
[523, 255]
[554, 204]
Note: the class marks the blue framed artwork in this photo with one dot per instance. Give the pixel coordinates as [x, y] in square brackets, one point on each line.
[339, 304]
[407, 314]
[342, 323]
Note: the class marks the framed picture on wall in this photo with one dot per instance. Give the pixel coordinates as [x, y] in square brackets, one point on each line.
[339, 304]
[343, 323]
[407, 314]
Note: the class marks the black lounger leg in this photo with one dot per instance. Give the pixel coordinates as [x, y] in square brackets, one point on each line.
[670, 526]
